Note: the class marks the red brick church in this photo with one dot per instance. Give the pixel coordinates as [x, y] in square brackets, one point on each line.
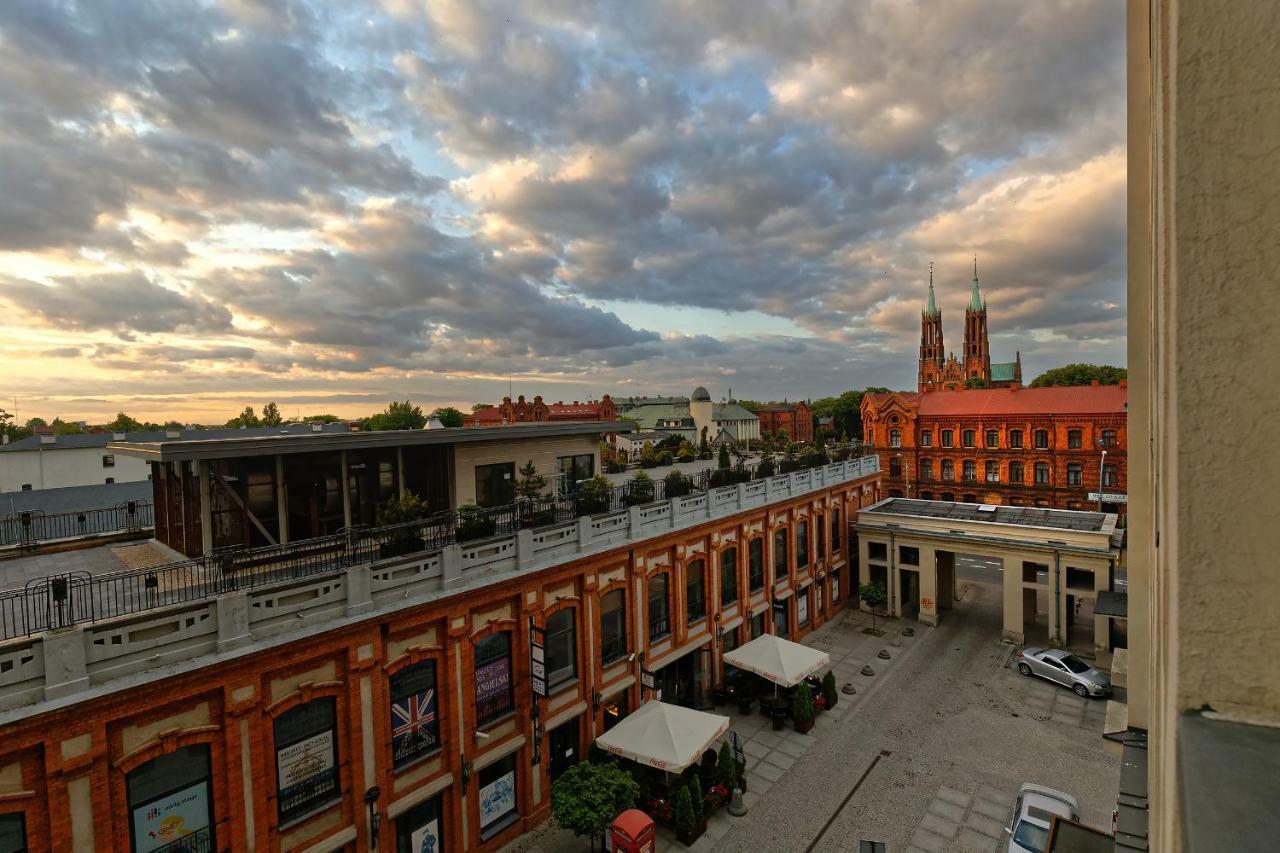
[939, 371]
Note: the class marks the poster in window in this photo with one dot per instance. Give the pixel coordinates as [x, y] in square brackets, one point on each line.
[169, 819]
[497, 799]
[426, 839]
[413, 724]
[802, 607]
[493, 682]
[299, 766]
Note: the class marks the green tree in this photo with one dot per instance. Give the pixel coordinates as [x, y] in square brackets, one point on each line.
[397, 416]
[723, 460]
[695, 797]
[123, 423]
[247, 418]
[802, 708]
[976, 382]
[829, 690]
[449, 416]
[685, 821]
[11, 429]
[752, 406]
[319, 419]
[61, 427]
[587, 797]
[1080, 374]
[530, 484]
[594, 495]
[704, 448]
[34, 423]
[271, 415]
[845, 410]
[726, 768]
[639, 490]
[873, 595]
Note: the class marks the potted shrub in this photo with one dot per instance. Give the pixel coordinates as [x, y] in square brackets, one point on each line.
[726, 769]
[686, 823]
[400, 513]
[676, 485]
[594, 495]
[802, 708]
[475, 523]
[639, 490]
[699, 804]
[829, 691]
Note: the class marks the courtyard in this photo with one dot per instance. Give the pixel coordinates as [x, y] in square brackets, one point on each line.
[927, 755]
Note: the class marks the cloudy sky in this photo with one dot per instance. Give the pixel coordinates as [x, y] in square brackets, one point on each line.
[204, 205]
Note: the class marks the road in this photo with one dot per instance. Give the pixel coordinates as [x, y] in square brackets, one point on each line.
[951, 720]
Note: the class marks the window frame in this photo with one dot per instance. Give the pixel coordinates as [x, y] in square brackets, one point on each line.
[947, 469]
[574, 463]
[1109, 438]
[729, 576]
[699, 613]
[487, 501]
[755, 548]
[992, 471]
[926, 438]
[1016, 472]
[1015, 439]
[664, 578]
[108, 460]
[781, 568]
[969, 471]
[992, 438]
[1075, 439]
[397, 692]
[1111, 476]
[505, 766]
[1040, 439]
[608, 639]
[969, 438]
[135, 801]
[326, 798]
[802, 543]
[565, 672]
[501, 710]
[1043, 467]
[1075, 474]
[948, 438]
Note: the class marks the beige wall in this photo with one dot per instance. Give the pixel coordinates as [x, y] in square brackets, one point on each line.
[543, 451]
[1205, 319]
[53, 468]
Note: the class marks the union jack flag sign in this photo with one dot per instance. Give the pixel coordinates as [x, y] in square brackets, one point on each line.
[413, 722]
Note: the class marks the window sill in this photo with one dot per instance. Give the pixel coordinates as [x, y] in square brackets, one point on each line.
[561, 686]
[606, 663]
[417, 759]
[496, 721]
[499, 825]
[306, 816]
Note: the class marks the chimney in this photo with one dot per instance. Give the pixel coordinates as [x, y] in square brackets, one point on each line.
[317, 427]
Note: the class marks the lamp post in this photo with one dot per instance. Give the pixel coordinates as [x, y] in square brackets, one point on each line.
[1102, 467]
[907, 469]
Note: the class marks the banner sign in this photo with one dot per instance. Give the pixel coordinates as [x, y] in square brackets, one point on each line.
[306, 770]
[537, 663]
[426, 839]
[169, 819]
[493, 683]
[497, 799]
[647, 679]
[1109, 497]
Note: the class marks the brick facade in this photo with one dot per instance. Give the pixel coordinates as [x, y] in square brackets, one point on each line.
[794, 420]
[65, 770]
[536, 411]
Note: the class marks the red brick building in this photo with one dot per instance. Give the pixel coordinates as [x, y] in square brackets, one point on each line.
[1047, 447]
[794, 420]
[285, 716]
[521, 411]
[942, 371]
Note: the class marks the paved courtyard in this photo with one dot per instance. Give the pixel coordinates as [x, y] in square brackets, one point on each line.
[927, 756]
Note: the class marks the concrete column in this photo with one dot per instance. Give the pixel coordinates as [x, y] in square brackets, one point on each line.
[233, 620]
[206, 509]
[370, 750]
[282, 502]
[524, 548]
[674, 504]
[1014, 600]
[928, 585]
[1057, 601]
[346, 489]
[359, 589]
[450, 566]
[404, 490]
[80, 804]
[584, 532]
[65, 669]
[634, 522]
[742, 496]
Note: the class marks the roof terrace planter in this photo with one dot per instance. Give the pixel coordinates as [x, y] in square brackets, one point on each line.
[475, 523]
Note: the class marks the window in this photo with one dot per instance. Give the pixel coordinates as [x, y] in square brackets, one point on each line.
[498, 797]
[1042, 439]
[755, 564]
[802, 609]
[948, 438]
[993, 471]
[110, 480]
[993, 438]
[575, 469]
[926, 438]
[13, 833]
[26, 487]
[1109, 478]
[908, 555]
[108, 460]
[495, 484]
[926, 469]
[802, 544]
[306, 741]
[895, 466]
[780, 565]
[970, 470]
[1015, 438]
[419, 823]
[1015, 472]
[895, 438]
[877, 551]
[835, 531]
[415, 721]
[659, 626]
[613, 626]
[835, 585]
[493, 689]
[1073, 439]
[695, 590]
[1108, 438]
[820, 532]
[1042, 473]
[948, 469]
[728, 576]
[561, 647]
[757, 625]
[175, 784]
[1073, 474]
[969, 437]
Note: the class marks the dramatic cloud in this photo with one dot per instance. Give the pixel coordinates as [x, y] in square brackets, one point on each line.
[333, 203]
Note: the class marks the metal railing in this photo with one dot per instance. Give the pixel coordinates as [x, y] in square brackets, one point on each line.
[28, 528]
[63, 600]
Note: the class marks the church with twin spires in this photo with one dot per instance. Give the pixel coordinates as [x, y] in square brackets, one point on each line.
[941, 371]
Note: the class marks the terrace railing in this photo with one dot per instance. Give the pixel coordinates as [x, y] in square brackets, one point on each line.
[29, 528]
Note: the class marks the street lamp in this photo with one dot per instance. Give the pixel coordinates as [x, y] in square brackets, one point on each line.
[907, 468]
[1102, 465]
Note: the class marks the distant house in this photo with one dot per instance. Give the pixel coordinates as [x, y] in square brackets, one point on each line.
[794, 420]
[691, 415]
[536, 411]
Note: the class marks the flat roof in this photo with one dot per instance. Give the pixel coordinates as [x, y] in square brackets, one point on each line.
[1022, 516]
[230, 448]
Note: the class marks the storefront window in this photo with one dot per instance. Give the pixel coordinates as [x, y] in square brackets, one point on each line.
[13, 833]
[615, 709]
[421, 829]
[415, 723]
[728, 576]
[493, 678]
[780, 565]
[495, 484]
[561, 646]
[498, 797]
[613, 626]
[306, 740]
[780, 616]
[170, 800]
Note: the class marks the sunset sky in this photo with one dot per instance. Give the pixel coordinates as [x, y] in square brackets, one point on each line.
[331, 205]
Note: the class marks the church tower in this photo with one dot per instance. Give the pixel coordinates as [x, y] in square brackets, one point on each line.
[977, 349]
[932, 353]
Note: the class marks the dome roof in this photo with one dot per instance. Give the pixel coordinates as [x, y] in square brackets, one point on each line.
[700, 394]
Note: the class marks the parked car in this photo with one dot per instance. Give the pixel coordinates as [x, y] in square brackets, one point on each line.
[1035, 807]
[1066, 669]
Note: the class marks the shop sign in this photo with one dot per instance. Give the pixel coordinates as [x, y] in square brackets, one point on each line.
[300, 763]
[647, 679]
[171, 818]
[537, 663]
[493, 680]
[1109, 497]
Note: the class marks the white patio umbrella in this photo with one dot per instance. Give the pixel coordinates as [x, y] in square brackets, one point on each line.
[664, 736]
[781, 661]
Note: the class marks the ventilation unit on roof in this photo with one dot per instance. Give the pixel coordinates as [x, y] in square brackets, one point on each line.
[987, 508]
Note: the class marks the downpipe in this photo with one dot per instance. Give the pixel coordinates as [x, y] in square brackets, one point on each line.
[1059, 641]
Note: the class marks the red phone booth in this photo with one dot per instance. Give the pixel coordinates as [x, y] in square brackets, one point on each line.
[632, 832]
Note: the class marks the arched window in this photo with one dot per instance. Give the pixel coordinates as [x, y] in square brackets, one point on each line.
[613, 626]
[169, 785]
[1109, 476]
[970, 470]
[926, 469]
[969, 437]
[1109, 438]
[993, 438]
[695, 590]
[561, 646]
[1074, 439]
[728, 576]
[993, 471]
[895, 438]
[755, 564]
[306, 743]
[1042, 439]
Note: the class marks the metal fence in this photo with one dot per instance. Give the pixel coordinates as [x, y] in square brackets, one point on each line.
[69, 599]
[29, 528]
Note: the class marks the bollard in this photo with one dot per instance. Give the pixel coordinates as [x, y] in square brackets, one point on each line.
[849, 688]
[737, 805]
[867, 670]
[883, 655]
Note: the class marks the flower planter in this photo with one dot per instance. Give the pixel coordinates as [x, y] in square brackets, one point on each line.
[804, 726]
[779, 720]
[744, 705]
[687, 838]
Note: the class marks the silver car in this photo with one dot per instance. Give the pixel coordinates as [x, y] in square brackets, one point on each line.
[1064, 668]
[1033, 811]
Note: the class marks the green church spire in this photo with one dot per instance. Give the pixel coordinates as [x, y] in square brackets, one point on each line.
[975, 300]
[931, 309]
